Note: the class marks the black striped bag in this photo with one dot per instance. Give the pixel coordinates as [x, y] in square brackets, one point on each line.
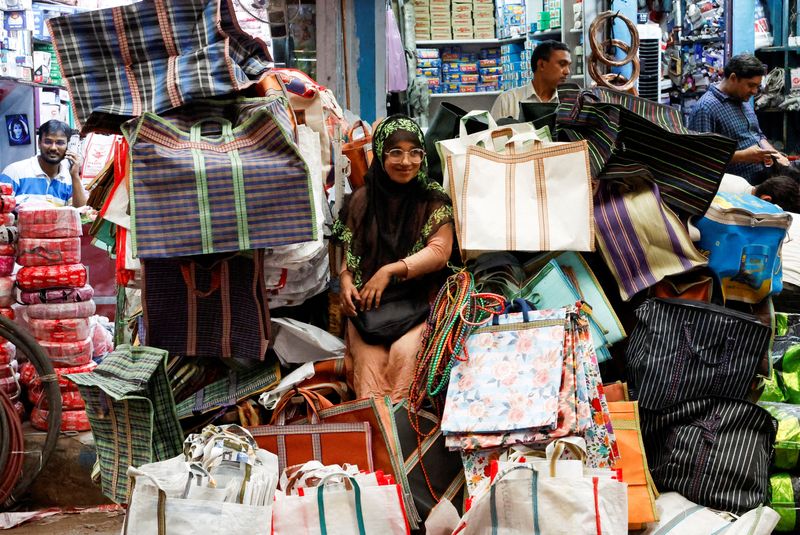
[713, 451]
[682, 350]
[687, 166]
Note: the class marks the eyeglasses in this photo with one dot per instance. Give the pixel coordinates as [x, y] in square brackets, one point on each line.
[397, 155]
[58, 143]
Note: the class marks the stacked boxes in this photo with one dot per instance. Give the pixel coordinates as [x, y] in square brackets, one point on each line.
[453, 71]
[515, 61]
[422, 16]
[459, 71]
[429, 67]
[490, 70]
[441, 25]
[52, 282]
[454, 19]
[483, 20]
[547, 19]
[9, 378]
[510, 18]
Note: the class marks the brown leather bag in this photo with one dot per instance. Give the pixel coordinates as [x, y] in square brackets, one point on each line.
[330, 443]
[359, 152]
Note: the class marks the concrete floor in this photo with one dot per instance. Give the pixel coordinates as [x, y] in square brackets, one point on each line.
[74, 524]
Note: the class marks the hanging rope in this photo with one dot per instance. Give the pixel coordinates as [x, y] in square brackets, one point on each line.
[599, 48]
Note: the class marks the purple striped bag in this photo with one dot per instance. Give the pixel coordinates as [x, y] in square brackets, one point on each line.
[232, 181]
[640, 238]
[63, 295]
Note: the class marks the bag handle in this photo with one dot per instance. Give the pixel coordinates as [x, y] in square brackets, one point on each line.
[534, 496]
[359, 507]
[364, 128]
[511, 144]
[196, 132]
[188, 278]
[314, 402]
[462, 123]
[576, 445]
[517, 305]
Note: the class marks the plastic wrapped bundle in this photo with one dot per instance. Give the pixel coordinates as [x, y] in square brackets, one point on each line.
[60, 330]
[10, 385]
[6, 189]
[43, 277]
[61, 295]
[6, 265]
[60, 222]
[68, 354]
[53, 311]
[70, 401]
[8, 352]
[8, 249]
[7, 203]
[8, 220]
[75, 421]
[48, 251]
[6, 291]
[8, 370]
[29, 377]
[8, 312]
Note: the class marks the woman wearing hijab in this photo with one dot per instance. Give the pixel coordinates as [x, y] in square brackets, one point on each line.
[396, 229]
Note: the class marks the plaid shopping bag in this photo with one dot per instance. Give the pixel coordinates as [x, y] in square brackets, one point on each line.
[132, 413]
[687, 166]
[233, 180]
[152, 56]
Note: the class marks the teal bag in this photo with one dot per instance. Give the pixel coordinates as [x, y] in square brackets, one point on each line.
[743, 235]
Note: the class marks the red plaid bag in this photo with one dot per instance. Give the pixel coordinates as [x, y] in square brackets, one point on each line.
[55, 222]
[43, 277]
[63, 295]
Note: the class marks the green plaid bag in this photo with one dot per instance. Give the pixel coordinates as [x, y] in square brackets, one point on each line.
[132, 413]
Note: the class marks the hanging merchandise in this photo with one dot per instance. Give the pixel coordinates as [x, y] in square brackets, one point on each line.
[520, 214]
[396, 68]
[683, 350]
[640, 238]
[245, 183]
[132, 414]
[714, 451]
[167, 57]
[358, 151]
[743, 236]
[207, 306]
[627, 129]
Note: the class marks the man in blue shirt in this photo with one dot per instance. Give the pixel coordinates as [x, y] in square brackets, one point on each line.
[53, 176]
[725, 109]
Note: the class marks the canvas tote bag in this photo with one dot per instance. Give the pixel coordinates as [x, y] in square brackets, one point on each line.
[152, 56]
[498, 207]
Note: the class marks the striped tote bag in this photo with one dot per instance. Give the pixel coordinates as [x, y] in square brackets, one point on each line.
[232, 181]
[714, 451]
[681, 350]
[153, 56]
[639, 237]
[687, 166]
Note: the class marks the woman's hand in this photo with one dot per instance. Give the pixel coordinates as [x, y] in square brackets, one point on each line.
[348, 294]
[373, 290]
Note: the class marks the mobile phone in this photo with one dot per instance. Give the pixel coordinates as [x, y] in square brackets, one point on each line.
[74, 145]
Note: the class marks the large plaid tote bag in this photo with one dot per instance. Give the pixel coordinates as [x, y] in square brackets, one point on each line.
[131, 410]
[152, 56]
[687, 166]
[681, 350]
[233, 180]
[714, 451]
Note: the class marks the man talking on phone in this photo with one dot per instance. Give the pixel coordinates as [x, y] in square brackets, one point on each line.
[52, 176]
[725, 109]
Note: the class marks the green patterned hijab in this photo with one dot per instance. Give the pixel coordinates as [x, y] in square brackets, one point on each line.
[385, 221]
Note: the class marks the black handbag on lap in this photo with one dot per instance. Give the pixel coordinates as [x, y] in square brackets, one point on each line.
[403, 306]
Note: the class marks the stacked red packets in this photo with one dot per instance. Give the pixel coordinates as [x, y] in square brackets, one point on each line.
[52, 282]
[8, 238]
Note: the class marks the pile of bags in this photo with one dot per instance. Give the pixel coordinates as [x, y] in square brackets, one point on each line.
[9, 376]
[53, 285]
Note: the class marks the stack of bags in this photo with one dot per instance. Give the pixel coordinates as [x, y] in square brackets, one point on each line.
[8, 237]
[52, 283]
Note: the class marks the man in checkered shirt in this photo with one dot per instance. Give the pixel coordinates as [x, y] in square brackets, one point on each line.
[725, 109]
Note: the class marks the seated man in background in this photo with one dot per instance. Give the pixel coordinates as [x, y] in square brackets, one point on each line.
[52, 176]
[550, 64]
[725, 109]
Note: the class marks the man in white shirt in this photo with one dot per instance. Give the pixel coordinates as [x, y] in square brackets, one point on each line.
[783, 190]
[550, 64]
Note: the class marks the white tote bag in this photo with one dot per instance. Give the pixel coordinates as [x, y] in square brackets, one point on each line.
[532, 197]
[680, 516]
[485, 138]
[156, 509]
[521, 501]
[360, 510]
